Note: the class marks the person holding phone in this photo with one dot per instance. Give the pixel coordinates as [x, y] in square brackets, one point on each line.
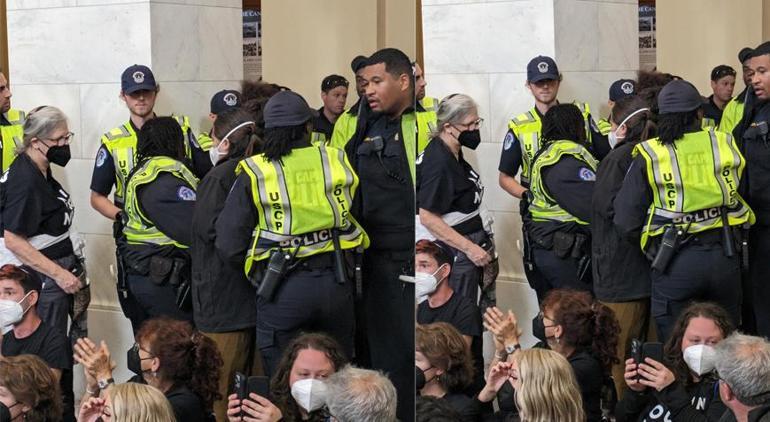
[682, 386]
[449, 193]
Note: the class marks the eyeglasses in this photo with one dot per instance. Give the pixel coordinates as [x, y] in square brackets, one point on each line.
[476, 123]
[63, 140]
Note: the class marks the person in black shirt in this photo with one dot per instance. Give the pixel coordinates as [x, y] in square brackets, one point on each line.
[442, 304]
[683, 387]
[444, 368]
[224, 302]
[334, 94]
[31, 335]
[449, 193]
[722, 86]
[621, 272]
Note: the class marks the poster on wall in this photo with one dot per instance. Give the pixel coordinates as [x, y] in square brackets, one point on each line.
[647, 41]
[252, 44]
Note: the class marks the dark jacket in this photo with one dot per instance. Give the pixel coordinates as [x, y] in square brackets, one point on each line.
[698, 402]
[223, 299]
[759, 414]
[621, 271]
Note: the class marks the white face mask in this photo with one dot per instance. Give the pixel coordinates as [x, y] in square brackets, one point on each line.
[11, 313]
[700, 358]
[214, 153]
[309, 393]
[613, 137]
[425, 284]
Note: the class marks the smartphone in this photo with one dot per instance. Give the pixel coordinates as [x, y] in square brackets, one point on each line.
[653, 351]
[259, 385]
[240, 386]
[636, 354]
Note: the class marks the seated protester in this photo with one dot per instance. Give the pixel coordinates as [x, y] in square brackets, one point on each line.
[442, 304]
[360, 395]
[683, 386]
[546, 388]
[297, 388]
[444, 369]
[160, 199]
[169, 355]
[28, 390]
[27, 334]
[582, 330]
[127, 403]
[432, 409]
[743, 365]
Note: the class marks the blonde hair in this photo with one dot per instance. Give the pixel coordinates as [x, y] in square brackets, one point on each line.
[549, 390]
[133, 402]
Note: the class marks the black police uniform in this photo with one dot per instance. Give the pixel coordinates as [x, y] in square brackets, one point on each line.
[223, 299]
[699, 271]
[621, 272]
[168, 203]
[711, 111]
[385, 207]
[450, 188]
[569, 182]
[322, 125]
[755, 147]
[309, 299]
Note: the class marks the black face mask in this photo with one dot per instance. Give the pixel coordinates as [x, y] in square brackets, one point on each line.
[133, 361]
[470, 138]
[59, 155]
[5, 412]
[419, 377]
[538, 328]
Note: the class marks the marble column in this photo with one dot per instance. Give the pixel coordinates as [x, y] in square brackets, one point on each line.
[70, 54]
[481, 48]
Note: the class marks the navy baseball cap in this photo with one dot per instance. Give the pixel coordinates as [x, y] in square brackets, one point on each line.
[136, 78]
[225, 99]
[285, 109]
[678, 96]
[541, 68]
[622, 88]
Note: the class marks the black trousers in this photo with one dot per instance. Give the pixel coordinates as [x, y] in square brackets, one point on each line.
[465, 278]
[759, 278]
[308, 300]
[128, 303]
[154, 300]
[558, 273]
[698, 272]
[389, 311]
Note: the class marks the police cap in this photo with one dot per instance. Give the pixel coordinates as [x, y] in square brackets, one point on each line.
[622, 88]
[541, 68]
[225, 99]
[137, 78]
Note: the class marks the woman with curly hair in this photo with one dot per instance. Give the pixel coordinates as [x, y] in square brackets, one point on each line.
[683, 386]
[444, 367]
[546, 388]
[28, 390]
[297, 387]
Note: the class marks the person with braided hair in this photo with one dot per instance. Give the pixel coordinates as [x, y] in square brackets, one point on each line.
[562, 181]
[160, 200]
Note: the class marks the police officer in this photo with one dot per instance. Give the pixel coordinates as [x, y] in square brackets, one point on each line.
[160, 200]
[425, 110]
[226, 99]
[680, 196]
[383, 154]
[11, 125]
[522, 142]
[753, 131]
[116, 158]
[334, 94]
[346, 125]
[288, 216]
[562, 178]
[734, 110]
[619, 89]
[722, 85]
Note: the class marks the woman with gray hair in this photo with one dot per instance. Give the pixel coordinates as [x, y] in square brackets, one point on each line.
[36, 213]
[449, 193]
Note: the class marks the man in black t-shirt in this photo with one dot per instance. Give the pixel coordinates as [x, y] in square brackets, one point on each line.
[30, 335]
[441, 304]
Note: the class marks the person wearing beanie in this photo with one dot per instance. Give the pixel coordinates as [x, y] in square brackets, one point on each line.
[287, 224]
[680, 199]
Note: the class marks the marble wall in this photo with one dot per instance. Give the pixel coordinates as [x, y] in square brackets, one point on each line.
[482, 48]
[70, 54]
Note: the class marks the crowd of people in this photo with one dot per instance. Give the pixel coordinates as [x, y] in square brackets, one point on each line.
[269, 270]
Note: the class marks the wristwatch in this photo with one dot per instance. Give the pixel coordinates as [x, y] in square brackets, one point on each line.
[512, 348]
[104, 383]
